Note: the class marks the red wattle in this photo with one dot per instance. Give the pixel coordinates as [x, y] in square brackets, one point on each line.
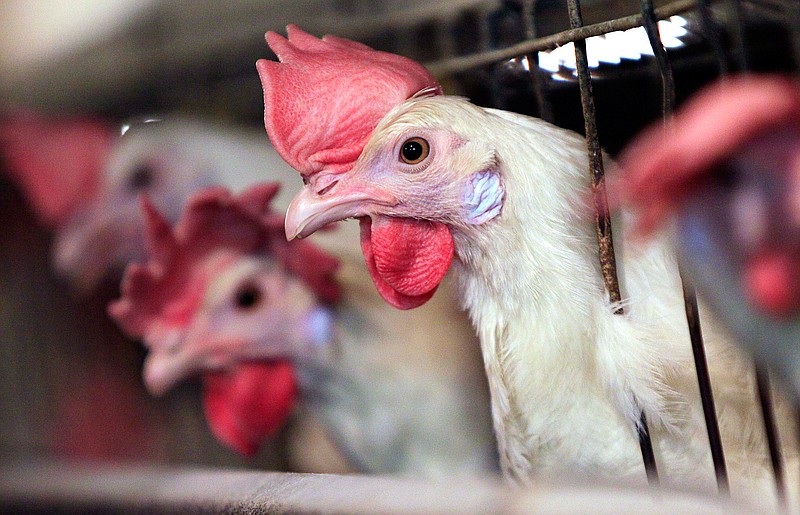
[772, 282]
[407, 258]
[250, 404]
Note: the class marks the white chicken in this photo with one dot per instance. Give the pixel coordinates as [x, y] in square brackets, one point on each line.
[223, 290]
[434, 177]
[85, 181]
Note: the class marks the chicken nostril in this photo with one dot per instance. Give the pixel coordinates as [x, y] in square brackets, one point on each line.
[327, 188]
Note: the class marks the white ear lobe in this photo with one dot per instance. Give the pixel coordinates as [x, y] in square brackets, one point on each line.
[483, 198]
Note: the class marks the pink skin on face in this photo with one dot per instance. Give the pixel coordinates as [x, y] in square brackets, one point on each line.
[718, 124]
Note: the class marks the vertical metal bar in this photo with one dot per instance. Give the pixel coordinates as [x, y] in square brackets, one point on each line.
[603, 218]
[712, 34]
[704, 382]
[740, 62]
[792, 16]
[545, 109]
[689, 297]
[733, 9]
[662, 61]
[770, 426]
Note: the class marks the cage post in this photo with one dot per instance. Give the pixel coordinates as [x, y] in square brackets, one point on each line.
[739, 61]
[545, 109]
[711, 31]
[602, 215]
[689, 297]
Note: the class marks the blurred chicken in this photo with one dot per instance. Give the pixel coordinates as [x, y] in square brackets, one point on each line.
[84, 180]
[730, 173]
[225, 288]
[432, 177]
[745, 124]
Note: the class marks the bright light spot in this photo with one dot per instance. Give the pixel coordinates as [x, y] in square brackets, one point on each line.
[611, 48]
[127, 126]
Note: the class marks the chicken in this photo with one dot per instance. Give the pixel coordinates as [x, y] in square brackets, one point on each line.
[731, 175]
[224, 290]
[84, 181]
[744, 122]
[436, 180]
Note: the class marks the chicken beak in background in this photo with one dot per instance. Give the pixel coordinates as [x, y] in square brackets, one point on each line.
[167, 366]
[329, 199]
[176, 357]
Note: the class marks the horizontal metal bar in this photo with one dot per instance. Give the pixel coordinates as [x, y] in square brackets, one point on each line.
[59, 488]
[459, 64]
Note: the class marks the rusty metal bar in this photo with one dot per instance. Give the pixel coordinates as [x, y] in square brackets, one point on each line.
[459, 64]
[602, 216]
[689, 296]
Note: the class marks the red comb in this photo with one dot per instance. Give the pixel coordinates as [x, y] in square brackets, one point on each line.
[325, 97]
[56, 162]
[213, 219]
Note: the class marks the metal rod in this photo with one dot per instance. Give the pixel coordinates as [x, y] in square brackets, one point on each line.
[463, 63]
[544, 107]
[734, 11]
[711, 32]
[741, 63]
[792, 16]
[689, 297]
[770, 428]
[704, 383]
[602, 216]
[650, 25]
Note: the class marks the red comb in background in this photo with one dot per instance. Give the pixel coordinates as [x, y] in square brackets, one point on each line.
[213, 219]
[249, 404]
[56, 162]
[325, 96]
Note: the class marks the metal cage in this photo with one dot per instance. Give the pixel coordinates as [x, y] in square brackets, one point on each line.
[499, 38]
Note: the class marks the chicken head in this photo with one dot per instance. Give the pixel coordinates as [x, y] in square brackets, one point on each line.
[224, 295]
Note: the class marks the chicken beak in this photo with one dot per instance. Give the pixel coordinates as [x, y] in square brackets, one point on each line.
[163, 371]
[310, 211]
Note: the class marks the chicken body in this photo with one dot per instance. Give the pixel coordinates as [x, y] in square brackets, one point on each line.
[567, 376]
[400, 395]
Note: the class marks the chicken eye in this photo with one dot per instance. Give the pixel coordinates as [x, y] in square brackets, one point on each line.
[248, 297]
[414, 151]
[141, 178]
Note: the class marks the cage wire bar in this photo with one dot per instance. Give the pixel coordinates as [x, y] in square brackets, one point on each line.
[738, 61]
[608, 266]
[689, 296]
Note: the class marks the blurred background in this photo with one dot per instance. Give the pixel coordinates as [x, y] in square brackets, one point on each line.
[70, 382]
